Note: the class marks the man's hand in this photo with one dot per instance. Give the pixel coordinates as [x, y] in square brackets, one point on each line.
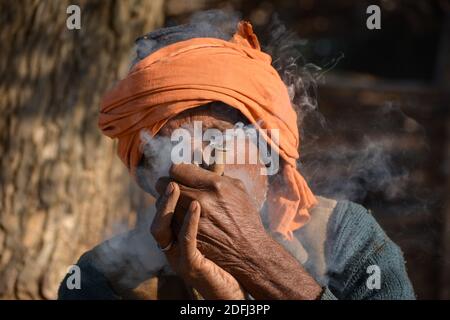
[232, 235]
[230, 227]
[201, 273]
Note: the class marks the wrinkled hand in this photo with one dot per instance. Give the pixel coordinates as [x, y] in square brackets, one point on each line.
[184, 257]
[230, 229]
[231, 234]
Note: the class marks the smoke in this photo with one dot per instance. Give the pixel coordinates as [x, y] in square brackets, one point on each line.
[341, 170]
[366, 163]
[369, 166]
[352, 172]
[205, 24]
[241, 142]
[300, 76]
[157, 161]
[285, 48]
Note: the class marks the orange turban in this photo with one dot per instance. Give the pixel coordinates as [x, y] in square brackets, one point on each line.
[198, 71]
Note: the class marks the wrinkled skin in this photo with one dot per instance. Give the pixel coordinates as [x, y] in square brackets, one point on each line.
[226, 235]
[184, 256]
[220, 243]
[194, 267]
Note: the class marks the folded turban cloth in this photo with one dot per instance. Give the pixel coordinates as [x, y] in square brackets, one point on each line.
[198, 71]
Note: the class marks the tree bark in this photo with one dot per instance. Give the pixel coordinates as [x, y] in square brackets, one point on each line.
[62, 187]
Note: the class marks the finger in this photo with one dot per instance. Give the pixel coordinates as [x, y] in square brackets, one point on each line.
[184, 201]
[187, 194]
[188, 232]
[162, 183]
[192, 176]
[161, 225]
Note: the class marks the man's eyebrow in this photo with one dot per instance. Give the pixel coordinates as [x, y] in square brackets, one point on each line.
[221, 125]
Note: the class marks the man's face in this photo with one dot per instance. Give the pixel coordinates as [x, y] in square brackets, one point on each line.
[158, 161]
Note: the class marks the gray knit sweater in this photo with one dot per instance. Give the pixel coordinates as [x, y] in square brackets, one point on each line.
[355, 242]
[340, 248]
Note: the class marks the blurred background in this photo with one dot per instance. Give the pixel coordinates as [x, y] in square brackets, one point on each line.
[379, 135]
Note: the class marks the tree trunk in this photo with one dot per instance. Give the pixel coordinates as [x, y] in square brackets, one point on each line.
[62, 187]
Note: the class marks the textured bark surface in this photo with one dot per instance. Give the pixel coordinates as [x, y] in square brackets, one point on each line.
[62, 188]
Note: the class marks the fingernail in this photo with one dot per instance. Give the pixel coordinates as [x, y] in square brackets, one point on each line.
[193, 206]
[169, 189]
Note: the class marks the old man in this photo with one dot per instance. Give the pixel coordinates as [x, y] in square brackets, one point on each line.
[224, 229]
